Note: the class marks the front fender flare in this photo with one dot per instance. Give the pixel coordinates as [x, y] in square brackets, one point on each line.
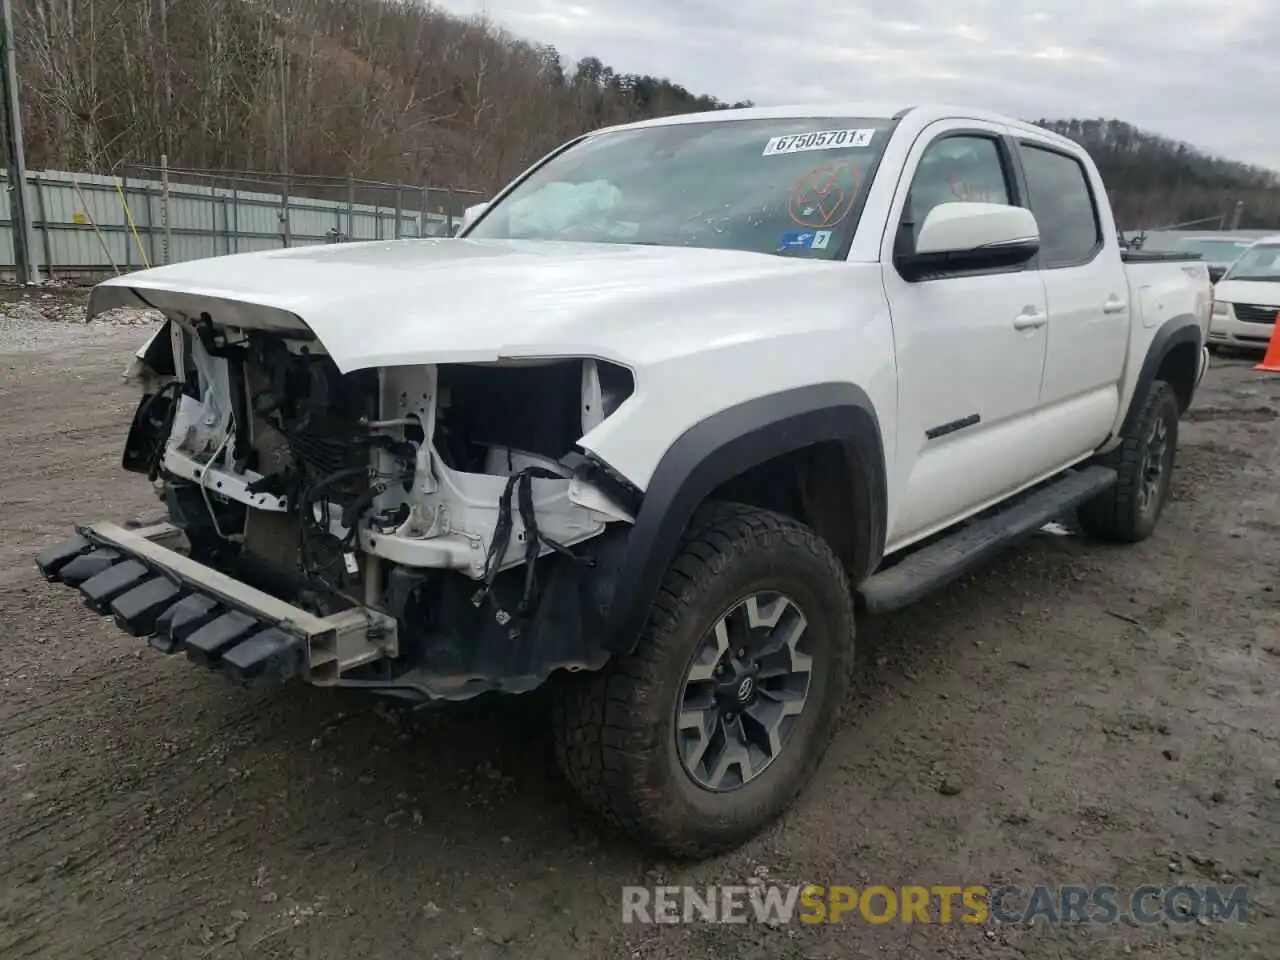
[722, 447]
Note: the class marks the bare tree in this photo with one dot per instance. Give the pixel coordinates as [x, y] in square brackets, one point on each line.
[400, 91]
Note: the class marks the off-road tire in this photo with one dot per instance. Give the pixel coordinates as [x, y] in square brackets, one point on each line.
[1117, 515]
[614, 731]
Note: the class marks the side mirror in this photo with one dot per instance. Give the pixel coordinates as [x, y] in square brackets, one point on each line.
[970, 236]
[471, 214]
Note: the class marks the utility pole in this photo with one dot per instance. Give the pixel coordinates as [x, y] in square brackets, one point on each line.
[25, 268]
[286, 232]
[164, 205]
[1235, 215]
[284, 109]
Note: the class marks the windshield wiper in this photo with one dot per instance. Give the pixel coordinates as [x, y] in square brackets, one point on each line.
[1273, 279]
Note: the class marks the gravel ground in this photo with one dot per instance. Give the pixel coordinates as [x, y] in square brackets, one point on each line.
[1098, 715]
[33, 319]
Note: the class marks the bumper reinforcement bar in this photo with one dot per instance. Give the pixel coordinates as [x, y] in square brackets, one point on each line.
[154, 591]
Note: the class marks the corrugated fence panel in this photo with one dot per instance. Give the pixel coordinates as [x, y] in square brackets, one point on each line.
[91, 225]
[6, 234]
[314, 218]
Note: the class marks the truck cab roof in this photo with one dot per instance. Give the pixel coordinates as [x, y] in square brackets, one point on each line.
[921, 114]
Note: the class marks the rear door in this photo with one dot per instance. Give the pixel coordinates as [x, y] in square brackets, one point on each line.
[1086, 288]
[970, 345]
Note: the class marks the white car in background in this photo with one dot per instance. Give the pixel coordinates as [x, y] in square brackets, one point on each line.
[1246, 301]
[1219, 251]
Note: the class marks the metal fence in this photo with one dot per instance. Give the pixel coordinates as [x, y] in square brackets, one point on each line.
[1170, 239]
[86, 226]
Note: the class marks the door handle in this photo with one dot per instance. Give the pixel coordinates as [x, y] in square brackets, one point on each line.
[1115, 305]
[1029, 321]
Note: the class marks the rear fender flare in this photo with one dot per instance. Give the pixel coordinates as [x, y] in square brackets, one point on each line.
[1184, 328]
[724, 446]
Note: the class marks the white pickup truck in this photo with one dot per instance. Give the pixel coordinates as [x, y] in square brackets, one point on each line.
[647, 430]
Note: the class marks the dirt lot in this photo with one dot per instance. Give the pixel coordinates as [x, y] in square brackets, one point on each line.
[1107, 715]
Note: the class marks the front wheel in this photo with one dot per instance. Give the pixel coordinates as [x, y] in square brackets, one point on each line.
[705, 733]
[1129, 511]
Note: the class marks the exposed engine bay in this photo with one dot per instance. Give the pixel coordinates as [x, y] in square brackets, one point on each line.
[415, 491]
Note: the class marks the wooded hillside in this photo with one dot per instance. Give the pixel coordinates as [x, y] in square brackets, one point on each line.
[386, 89]
[396, 90]
[1154, 181]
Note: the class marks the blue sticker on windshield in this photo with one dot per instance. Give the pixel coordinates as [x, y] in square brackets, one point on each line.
[804, 240]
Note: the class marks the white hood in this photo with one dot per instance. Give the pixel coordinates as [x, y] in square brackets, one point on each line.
[388, 303]
[1264, 293]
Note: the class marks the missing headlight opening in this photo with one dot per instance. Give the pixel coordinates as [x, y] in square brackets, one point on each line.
[406, 490]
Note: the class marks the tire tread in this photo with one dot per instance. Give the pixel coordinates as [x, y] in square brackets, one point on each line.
[602, 723]
[1113, 516]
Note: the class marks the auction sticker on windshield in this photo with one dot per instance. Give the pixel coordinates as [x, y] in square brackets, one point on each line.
[818, 140]
[804, 240]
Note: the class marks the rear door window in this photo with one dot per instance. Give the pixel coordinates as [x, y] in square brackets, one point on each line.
[1059, 194]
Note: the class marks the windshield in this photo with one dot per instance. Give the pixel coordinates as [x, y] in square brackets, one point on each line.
[792, 187]
[1216, 251]
[1260, 262]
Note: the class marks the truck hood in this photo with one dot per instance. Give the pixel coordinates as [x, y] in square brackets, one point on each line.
[1264, 293]
[446, 300]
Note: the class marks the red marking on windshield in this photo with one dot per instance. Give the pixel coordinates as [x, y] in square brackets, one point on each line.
[823, 196]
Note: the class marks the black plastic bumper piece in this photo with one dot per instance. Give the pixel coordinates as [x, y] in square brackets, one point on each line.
[174, 614]
[218, 636]
[53, 559]
[271, 655]
[137, 610]
[87, 566]
[100, 589]
[182, 620]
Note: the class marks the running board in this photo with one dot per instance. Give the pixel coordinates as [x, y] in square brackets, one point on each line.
[959, 553]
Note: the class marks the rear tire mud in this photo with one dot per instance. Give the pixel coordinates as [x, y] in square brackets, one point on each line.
[1130, 510]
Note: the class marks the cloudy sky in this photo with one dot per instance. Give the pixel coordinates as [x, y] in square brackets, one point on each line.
[1204, 71]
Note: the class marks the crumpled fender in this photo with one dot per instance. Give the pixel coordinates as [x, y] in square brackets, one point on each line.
[153, 361]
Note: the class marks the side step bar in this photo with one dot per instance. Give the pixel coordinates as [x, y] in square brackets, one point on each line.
[155, 592]
[973, 544]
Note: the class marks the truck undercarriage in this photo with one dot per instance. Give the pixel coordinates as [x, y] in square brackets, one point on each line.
[423, 531]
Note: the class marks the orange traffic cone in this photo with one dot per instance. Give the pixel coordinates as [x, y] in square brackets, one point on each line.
[1271, 362]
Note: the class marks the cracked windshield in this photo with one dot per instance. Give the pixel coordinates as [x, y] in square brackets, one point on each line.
[789, 187]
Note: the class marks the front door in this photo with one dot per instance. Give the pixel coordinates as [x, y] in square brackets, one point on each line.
[970, 346]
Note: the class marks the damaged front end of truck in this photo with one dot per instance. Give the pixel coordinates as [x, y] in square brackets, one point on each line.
[427, 530]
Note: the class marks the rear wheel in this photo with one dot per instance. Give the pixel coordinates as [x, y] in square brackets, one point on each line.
[1129, 511]
[704, 734]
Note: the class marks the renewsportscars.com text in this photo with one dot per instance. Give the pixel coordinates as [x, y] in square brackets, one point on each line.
[939, 904]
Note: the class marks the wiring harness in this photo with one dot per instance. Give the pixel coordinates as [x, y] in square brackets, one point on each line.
[520, 486]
